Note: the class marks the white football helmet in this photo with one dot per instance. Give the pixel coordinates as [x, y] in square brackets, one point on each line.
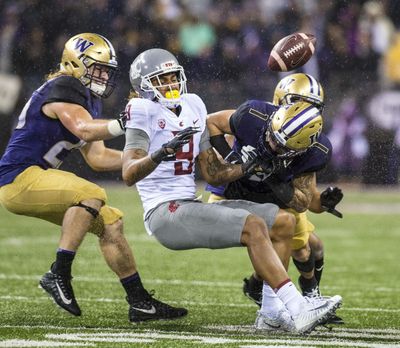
[145, 74]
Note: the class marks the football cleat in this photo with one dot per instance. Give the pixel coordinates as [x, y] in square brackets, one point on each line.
[314, 312]
[333, 319]
[59, 288]
[148, 308]
[315, 293]
[281, 322]
[252, 288]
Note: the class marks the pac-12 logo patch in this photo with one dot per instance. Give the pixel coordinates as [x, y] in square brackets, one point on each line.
[161, 123]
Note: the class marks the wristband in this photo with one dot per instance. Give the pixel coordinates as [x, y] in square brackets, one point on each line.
[158, 156]
[114, 128]
[220, 144]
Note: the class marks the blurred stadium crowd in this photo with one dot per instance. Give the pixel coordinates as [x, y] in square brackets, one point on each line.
[224, 46]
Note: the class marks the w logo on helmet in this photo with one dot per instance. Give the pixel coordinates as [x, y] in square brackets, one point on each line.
[82, 45]
[286, 83]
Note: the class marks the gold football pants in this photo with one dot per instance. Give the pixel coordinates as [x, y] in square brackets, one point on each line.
[47, 194]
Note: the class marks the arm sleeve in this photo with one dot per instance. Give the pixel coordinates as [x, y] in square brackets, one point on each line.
[69, 90]
[205, 140]
[136, 139]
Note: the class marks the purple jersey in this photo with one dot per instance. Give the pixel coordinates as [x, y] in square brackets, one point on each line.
[247, 124]
[40, 140]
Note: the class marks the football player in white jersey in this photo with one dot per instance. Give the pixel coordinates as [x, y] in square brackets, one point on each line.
[166, 133]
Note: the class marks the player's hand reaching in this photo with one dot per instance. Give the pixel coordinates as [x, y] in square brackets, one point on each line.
[117, 127]
[330, 197]
[250, 161]
[168, 150]
[181, 138]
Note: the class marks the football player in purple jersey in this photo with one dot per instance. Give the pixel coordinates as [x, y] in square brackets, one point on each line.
[309, 259]
[62, 115]
[296, 151]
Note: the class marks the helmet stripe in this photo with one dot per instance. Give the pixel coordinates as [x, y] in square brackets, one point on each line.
[311, 83]
[315, 86]
[113, 56]
[298, 115]
[300, 120]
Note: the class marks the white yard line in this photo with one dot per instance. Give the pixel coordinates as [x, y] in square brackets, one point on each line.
[40, 344]
[129, 337]
[205, 283]
[9, 298]
[85, 336]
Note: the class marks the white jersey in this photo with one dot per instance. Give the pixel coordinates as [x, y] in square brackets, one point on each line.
[171, 179]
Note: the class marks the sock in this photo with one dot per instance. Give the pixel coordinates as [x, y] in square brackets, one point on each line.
[290, 297]
[319, 267]
[255, 284]
[271, 303]
[307, 284]
[133, 287]
[63, 262]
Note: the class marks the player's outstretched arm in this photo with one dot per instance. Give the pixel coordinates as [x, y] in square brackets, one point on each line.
[101, 158]
[80, 123]
[215, 172]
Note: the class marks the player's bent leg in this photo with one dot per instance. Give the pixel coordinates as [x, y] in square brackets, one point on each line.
[265, 261]
[318, 250]
[116, 250]
[57, 282]
[281, 236]
[77, 222]
[119, 257]
[304, 261]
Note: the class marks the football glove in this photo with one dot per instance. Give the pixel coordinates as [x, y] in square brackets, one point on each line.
[250, 161]
[233, 158]
[175, 144]
[330, 198]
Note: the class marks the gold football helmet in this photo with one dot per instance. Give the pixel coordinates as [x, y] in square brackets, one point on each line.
[291, 130]
[91, 59]
[296, 87]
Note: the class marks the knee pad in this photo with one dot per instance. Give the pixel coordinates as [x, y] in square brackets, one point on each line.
[306, 266]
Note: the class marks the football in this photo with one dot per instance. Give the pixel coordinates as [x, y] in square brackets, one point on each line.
[292, 52]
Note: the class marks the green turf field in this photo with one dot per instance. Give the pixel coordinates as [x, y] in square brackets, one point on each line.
[362, 265]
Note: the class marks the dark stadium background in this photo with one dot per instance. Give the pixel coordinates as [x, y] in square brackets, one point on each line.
[224, 46]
